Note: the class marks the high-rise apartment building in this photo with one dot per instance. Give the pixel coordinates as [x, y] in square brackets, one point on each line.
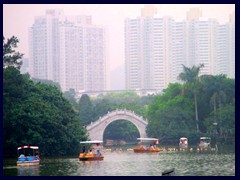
[180, 50]
[147, 51]
[223, 51]
[211, 44]
[157, 47]
[232, 45]
[69, 50]
[202, 48]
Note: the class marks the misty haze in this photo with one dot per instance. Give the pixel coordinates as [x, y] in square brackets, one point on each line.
[137, 47]
[119, 89]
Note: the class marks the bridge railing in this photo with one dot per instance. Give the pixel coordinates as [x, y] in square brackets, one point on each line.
[116, 112]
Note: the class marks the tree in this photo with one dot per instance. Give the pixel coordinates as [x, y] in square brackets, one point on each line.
[219, 92]
[217, 99]
[48, 82]
[170, 118]
[224, 124]
[38, 114]
[170, 115]
[85, 109]
[70, 95]
[10, 56]
[121, 130]
[190, 76]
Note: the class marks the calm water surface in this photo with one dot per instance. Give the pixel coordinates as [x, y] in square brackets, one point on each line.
[131, 164]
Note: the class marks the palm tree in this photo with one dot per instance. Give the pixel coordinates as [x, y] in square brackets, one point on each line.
[190, 77]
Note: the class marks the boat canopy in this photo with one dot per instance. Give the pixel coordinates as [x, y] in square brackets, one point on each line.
[155, 140]
[147, 139]
[27, 147]
[182, 138]
[205, 138]
[91, 142]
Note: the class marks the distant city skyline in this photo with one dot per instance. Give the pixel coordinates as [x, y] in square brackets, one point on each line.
[156, 48]
[17, 18]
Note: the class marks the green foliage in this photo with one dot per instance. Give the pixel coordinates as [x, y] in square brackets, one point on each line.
[191, 79]
[190, 75]
[121, 130]
[170, 118]
[48, 82]
[38, 114]
[121, 97]
[10, 56]
[171, 115]
[217, 92]
[85, 109]
[101, 107]
[70, 95]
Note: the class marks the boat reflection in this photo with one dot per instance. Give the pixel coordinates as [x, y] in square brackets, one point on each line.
[28, 170]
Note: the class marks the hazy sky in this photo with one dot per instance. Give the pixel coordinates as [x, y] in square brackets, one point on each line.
[17, 18]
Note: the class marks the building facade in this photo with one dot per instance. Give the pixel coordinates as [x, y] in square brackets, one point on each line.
[148, 51]
[69, 50]
[157, 47]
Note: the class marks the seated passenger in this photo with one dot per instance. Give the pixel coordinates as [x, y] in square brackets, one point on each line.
[90, 151]
[21, 158]
[29, 158]
[22, 155]
[98, 153]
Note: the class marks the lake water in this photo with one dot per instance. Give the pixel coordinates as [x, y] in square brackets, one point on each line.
[128, 163]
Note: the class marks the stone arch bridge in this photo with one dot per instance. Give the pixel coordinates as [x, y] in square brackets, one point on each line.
[97, 128]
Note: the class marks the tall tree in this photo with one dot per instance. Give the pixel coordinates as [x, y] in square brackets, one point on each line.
[191, 79]
[85, 109]
[38, 114]
[10, 56]
[48, 82]
[70, 95]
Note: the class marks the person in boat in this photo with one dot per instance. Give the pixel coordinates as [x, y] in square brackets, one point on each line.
[36, 157]
[90, 151]
[84, 149]
[98, 153]
[29, 157]
[151, 147]
[93, 151]
[22, 158]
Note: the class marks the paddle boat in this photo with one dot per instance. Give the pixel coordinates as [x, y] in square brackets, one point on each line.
[28, 156]
[183, 143]
[146, 145]
[205, 143]
[91, 150]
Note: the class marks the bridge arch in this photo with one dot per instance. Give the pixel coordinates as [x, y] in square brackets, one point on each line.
[97, 128]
